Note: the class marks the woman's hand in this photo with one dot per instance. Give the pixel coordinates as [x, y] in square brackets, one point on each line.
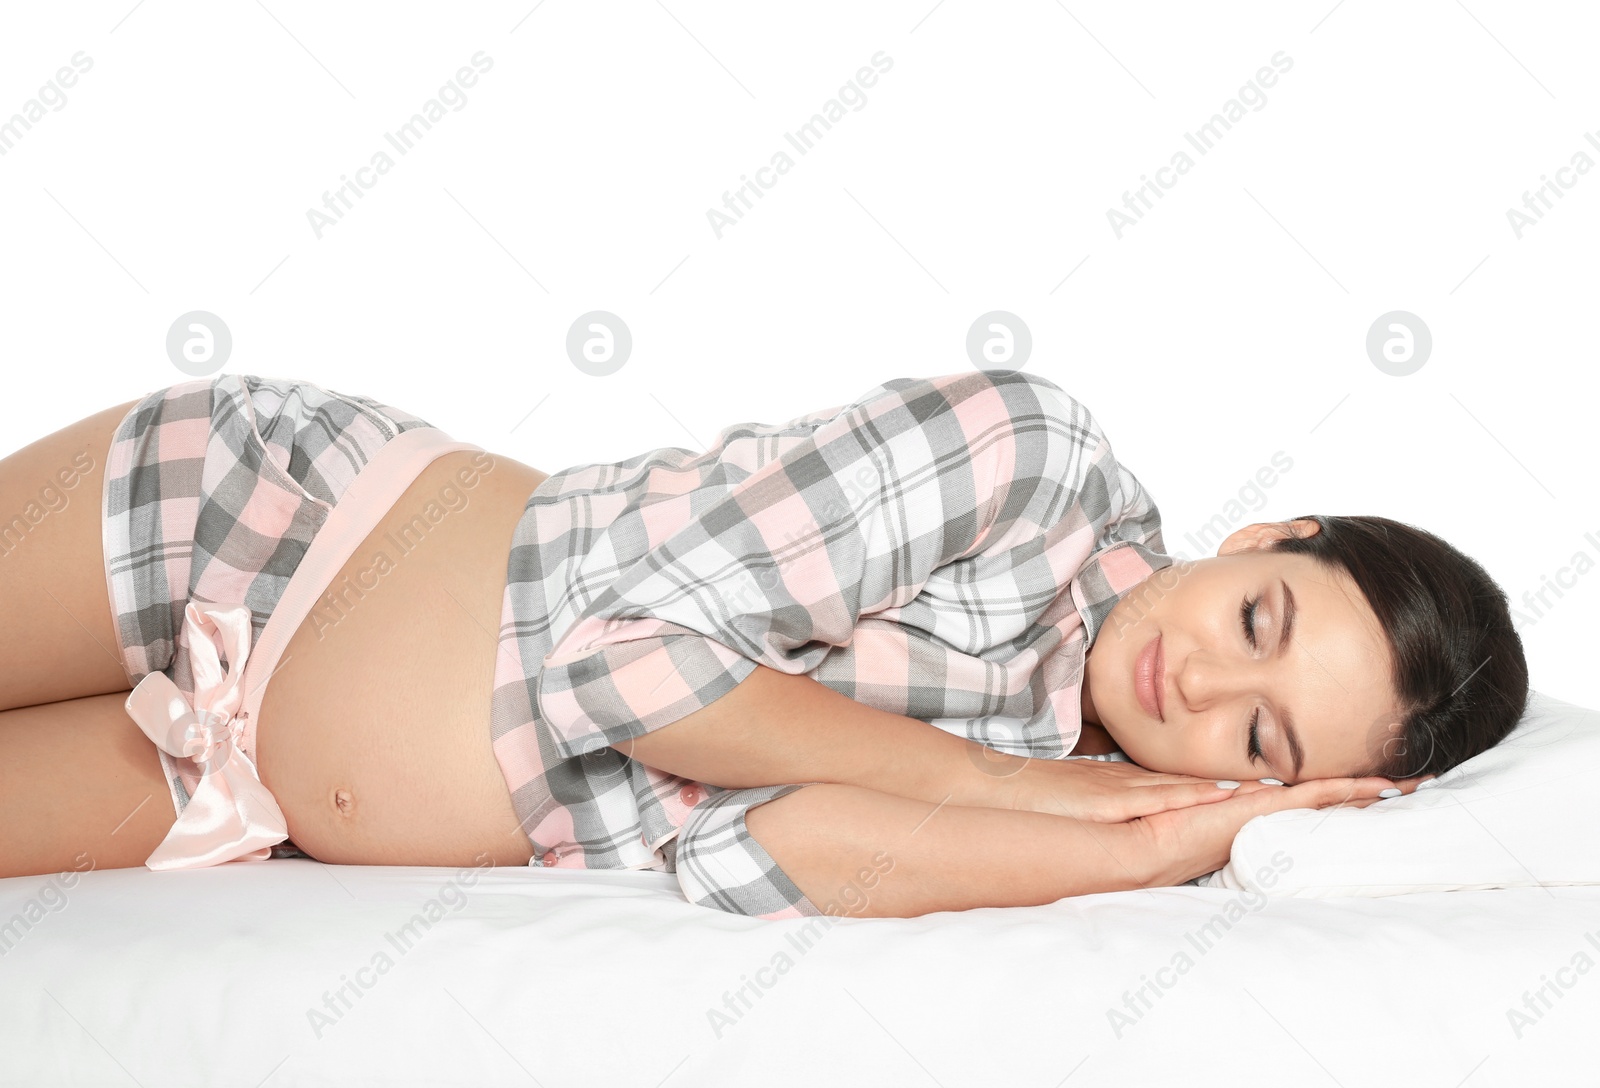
[1183, 843]
[1108, 791]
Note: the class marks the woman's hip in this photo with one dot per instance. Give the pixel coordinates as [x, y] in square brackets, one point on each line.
[214, 490]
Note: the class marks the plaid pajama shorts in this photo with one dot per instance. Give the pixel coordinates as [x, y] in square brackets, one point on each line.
[214, 489]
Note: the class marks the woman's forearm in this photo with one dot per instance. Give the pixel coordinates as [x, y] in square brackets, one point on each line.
[855, 851]
[776, 728]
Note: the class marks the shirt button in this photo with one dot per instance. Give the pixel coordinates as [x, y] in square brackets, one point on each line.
[690, 795]
[549, 857]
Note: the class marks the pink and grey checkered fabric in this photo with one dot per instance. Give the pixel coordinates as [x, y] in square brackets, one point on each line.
[213, 491]
[944, 549]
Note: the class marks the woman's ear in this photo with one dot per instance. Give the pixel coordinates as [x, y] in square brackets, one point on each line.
[1262, 534]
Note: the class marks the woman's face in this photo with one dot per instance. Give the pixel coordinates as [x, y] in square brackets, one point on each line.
[1327, 681]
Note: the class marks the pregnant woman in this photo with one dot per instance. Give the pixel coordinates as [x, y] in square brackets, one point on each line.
[918, 652]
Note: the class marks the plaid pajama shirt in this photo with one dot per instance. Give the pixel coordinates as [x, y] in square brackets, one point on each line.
[944, 549]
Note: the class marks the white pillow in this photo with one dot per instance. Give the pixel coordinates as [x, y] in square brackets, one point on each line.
[1524, 813]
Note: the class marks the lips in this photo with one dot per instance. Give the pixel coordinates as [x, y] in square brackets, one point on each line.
[1159, 678]
[1148, 670]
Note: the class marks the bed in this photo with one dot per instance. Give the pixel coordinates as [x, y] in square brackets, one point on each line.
[292, 972]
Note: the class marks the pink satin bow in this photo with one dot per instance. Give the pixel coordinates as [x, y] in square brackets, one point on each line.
[232, 815]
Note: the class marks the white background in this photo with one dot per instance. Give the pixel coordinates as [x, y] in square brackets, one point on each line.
[1226, 325]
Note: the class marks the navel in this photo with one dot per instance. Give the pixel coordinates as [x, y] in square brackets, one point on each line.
[344, 802]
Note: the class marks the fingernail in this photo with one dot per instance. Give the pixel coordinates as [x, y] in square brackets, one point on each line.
[1227, 784]
[1390, 792]
[1269, 781]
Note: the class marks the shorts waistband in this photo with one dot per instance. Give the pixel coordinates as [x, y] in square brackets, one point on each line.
[371, 495]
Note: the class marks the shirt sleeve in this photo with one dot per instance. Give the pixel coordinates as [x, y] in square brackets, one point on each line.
[779, 567]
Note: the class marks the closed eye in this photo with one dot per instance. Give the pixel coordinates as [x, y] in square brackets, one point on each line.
[1247, 615]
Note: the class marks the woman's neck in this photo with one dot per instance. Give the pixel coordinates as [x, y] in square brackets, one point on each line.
[1093, 740]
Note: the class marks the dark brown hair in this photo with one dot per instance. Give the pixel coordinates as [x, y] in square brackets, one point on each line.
[1459, 668]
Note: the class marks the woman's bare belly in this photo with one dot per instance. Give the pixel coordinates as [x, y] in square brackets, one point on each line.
[373, 734]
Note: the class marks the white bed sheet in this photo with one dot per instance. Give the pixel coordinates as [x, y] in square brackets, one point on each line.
[567, 977]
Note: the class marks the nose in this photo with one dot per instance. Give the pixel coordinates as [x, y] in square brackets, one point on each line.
[1203, 679]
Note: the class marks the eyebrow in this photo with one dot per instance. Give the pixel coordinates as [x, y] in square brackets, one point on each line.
[1296, 752]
